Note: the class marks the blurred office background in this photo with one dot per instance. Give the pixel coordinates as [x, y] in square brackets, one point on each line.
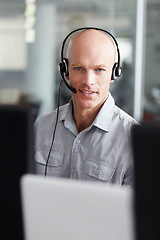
[31, 34]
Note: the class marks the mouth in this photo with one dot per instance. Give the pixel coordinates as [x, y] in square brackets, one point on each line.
[87, 92]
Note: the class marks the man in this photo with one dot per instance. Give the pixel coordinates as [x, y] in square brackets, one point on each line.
[92, 138]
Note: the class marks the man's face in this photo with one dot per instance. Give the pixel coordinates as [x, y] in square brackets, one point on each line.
[90, 69]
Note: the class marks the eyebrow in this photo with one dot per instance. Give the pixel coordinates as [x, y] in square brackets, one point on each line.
[97, 66]
[77, 64]
[101, 66]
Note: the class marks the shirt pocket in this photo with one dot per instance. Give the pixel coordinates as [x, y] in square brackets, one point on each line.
[103, 171]
[55, 159]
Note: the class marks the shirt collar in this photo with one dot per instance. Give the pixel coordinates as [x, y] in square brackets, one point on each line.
[102, 121]
[105, 115]
[67, 111]
[67, 117]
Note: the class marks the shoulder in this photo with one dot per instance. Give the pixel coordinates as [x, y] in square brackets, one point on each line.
[49, 119]
[123, 121]
[124, 116]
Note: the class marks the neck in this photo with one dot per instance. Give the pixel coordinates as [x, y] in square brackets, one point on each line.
[84, 118]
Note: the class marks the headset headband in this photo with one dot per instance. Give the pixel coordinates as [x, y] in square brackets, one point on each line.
[94, 28]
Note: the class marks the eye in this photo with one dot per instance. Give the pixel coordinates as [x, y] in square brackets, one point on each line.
[78, 68]
[100, 69]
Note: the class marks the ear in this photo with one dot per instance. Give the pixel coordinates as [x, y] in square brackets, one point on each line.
[67, 77]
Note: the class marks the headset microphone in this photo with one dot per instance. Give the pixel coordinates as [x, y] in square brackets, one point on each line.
[70, 88]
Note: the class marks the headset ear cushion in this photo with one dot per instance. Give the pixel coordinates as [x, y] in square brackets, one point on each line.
[63, 67]
[65, 63]
[116, 71]
[113, 77]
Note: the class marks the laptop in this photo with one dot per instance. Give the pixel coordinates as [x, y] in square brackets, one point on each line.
[64, 209]
[146, 149]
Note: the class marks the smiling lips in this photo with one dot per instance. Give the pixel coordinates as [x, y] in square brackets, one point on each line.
[87, 92]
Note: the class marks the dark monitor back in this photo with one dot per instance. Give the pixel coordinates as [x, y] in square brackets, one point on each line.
[16, 159]
[146, 149]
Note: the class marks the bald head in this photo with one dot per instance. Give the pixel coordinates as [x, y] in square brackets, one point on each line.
[90, 42]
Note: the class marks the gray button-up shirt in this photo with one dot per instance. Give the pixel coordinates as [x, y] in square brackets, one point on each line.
[102, 152]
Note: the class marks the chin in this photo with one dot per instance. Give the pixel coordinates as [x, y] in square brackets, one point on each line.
[90, 105]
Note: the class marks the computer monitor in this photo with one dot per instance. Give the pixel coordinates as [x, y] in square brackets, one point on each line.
[16, 159]
[146, 149]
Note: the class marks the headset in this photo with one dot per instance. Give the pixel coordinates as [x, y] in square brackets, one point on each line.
[63, 65]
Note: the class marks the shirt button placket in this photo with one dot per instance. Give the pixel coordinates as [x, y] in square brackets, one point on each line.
[74, 156]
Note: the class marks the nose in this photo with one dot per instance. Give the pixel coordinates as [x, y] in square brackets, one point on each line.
[88, 78]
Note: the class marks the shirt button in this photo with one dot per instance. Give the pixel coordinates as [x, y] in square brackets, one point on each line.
[96, 171]
[78, 141]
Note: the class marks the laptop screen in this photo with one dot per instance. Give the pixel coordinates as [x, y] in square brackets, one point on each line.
[64, 209]
[16, 157]
[146, 148]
